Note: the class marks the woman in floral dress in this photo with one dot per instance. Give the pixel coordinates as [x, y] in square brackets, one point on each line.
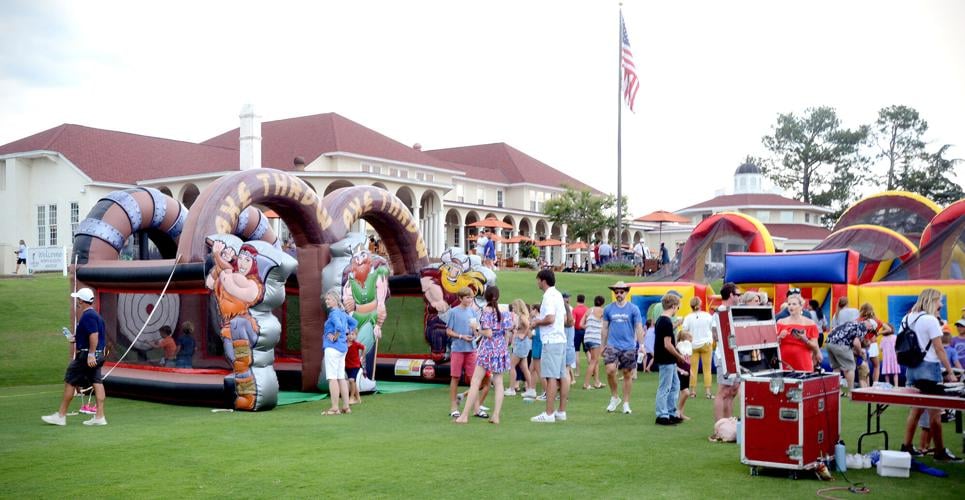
[491, 355]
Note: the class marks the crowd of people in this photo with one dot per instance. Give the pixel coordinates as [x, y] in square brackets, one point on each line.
[537, 345]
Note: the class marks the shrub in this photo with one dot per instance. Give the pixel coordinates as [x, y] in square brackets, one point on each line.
[616, 268]
[528, 263]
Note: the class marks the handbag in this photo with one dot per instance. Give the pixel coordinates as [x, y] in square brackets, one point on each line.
[907, 348]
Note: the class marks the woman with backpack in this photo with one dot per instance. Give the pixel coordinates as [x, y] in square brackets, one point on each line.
[923, 321]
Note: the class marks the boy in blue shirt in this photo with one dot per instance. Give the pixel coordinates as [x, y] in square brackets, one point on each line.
[461, 327]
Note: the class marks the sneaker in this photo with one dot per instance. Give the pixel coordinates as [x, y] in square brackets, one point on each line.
[560, 416]
[88, 409]
[541, 397]
[509, 392]
[543, 418]
[663, 421]
[946, 456]
[675, 419]
[626, 409]
[612, 407]
[96, 421]
[483, 408]
[459, 398]
[530, 393]
[54, 419]
[911, 450]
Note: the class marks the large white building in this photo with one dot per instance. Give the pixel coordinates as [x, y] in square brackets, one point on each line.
[50, 180]
[793, 224]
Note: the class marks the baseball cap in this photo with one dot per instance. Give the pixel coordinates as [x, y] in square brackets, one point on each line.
[566, 295]
[960, 322]
[84, 294]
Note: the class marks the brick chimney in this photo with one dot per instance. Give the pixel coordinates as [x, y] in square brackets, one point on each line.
[250, 150]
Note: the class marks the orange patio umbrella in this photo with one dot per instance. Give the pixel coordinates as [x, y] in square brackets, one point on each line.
[491, 222]
[661, 216]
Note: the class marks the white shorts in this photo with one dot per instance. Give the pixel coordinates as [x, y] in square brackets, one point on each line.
[334, 364]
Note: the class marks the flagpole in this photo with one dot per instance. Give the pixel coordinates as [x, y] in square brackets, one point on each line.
[619, 248]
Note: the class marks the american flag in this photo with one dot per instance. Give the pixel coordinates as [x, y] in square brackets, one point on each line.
[630, 82]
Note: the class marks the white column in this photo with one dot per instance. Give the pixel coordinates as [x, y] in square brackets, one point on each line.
[440, 232]
[462, 235]
[563, 247]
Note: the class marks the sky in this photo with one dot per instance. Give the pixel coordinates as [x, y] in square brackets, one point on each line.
[542, 76]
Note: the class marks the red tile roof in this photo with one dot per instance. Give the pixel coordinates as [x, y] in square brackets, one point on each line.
[121, 157]
[798, 231]
[500, 162]
[748, 200]
[314, 135]
[109, 156]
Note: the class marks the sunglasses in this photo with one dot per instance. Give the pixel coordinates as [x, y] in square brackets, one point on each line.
[620, 292]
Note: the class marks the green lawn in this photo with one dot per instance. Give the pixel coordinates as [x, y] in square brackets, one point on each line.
[399, 445]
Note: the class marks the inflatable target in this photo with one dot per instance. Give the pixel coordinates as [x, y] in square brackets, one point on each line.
[133, 310]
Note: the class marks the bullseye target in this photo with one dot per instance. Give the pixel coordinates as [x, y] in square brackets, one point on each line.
[133, 310]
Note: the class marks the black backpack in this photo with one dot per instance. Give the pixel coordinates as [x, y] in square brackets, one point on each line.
[907, 348]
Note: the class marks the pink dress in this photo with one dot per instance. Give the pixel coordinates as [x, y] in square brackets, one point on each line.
[889, 361]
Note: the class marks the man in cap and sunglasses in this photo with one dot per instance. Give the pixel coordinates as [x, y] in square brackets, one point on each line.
[622, 333]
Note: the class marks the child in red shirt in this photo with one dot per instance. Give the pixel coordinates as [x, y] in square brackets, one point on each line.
[353, 363]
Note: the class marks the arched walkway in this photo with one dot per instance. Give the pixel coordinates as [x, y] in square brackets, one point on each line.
[189, 193]
[339, 184]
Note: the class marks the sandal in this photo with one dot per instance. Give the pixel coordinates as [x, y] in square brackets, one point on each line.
[714, 438]
[598, 385]
[454, 414]
[586, 387]
[482, 414]
[346, 410]
[331, 411]
[709, 396]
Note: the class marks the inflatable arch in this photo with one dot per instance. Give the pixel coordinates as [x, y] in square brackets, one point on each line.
[226, 207]
[903, 212]
[880, 249]
[754, 234]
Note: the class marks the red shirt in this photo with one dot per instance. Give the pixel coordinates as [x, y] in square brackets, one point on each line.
[795, 352]
[353, 355]
[578, 312]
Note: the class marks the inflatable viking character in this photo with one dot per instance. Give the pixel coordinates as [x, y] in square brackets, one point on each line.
[247, 281]
[440, 284]
[365, 289]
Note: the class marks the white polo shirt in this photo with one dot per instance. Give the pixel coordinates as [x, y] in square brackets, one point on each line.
[553, 304]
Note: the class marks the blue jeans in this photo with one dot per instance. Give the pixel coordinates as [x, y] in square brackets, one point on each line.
[668, 390]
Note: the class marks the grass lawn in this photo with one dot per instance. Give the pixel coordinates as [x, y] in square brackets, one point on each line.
[398, 445]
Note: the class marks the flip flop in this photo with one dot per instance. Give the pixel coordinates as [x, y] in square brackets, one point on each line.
[346, 410]
[598, 386]
[331, 411]
[482, 414]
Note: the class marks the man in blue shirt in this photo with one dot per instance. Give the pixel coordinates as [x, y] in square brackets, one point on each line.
[622, 333]
[89, 340]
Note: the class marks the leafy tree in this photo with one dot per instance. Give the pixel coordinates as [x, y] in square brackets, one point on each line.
[583, 212]
[898, 134]
[934, 179]
[817, 158]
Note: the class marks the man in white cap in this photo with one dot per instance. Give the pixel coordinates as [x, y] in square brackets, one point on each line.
[88, 342]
